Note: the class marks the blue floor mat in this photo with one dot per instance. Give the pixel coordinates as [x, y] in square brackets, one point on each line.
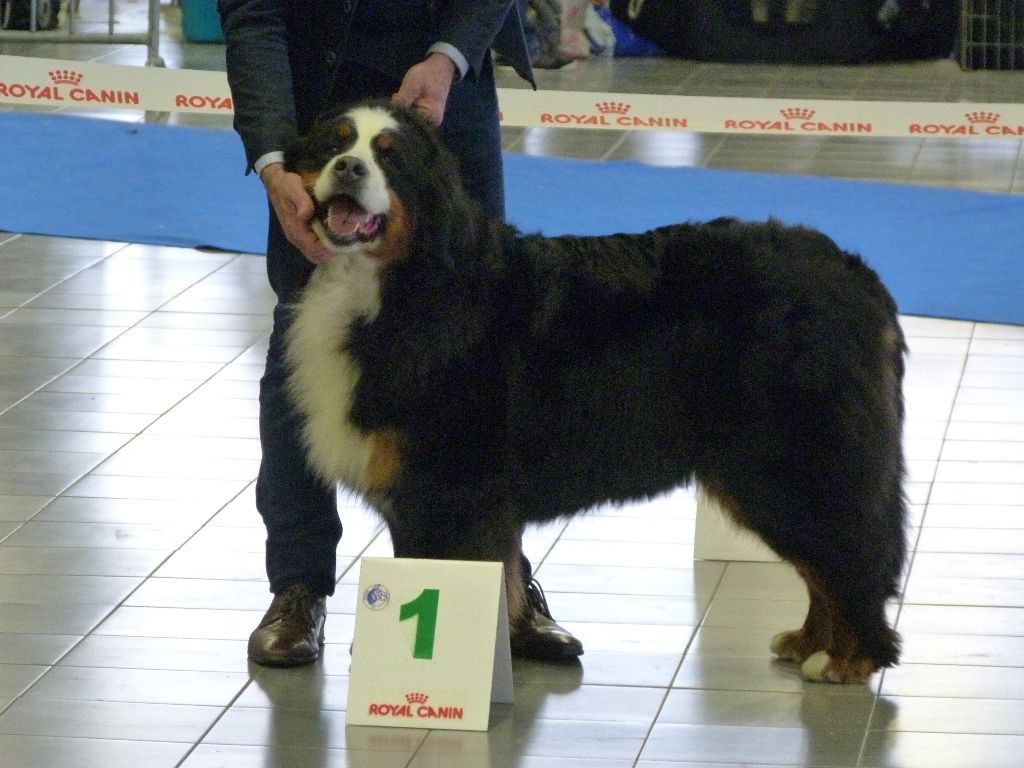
[942, 252]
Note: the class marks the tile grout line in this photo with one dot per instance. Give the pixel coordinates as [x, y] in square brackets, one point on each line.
[679, 666]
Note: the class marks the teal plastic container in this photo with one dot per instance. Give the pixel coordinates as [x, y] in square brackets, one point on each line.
[200, 22]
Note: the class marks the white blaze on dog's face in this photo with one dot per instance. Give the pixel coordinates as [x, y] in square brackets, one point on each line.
[356, 212]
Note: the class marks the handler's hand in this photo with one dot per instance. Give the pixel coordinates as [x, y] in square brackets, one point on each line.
[426, 85]
[294, 209]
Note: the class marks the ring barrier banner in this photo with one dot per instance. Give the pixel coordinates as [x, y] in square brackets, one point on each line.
[71, 84]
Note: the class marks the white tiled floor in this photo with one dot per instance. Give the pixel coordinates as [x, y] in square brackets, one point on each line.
[131, 566]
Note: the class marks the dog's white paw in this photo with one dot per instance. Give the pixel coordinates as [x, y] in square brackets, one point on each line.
[822, 668]
[815, 668]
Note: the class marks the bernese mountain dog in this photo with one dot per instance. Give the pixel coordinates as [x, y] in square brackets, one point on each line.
[467, 379]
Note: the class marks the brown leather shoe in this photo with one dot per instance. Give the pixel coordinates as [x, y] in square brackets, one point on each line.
[540, 638]
[292, 630]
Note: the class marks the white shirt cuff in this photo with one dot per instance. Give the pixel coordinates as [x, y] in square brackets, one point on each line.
[264, 160]
[453, 53]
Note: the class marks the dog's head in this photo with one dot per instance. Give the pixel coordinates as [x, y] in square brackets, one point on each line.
[378, 175]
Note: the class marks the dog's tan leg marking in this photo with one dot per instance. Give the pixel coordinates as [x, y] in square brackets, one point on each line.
[385, 461]
[816, 633]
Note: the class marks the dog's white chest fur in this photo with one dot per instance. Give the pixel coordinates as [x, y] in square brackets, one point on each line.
[323, 375]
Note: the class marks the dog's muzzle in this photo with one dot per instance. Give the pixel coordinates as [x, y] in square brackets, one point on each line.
[344, 219]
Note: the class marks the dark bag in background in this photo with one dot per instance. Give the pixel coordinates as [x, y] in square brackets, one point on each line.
[796, 31]
[17, 14]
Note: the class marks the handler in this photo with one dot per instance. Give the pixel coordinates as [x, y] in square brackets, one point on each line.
[287, 63]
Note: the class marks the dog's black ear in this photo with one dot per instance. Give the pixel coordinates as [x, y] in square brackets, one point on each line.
[455, 238]
[448, 220]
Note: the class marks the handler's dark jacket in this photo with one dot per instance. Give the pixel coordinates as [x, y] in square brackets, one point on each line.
[282, 57]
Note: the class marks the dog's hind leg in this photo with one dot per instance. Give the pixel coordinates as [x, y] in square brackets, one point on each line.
[861, 641]
[816, 634]
[857, 579]
[850, 572]
[845, 638]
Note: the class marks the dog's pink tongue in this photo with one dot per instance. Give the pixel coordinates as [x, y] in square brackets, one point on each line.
[344, 218]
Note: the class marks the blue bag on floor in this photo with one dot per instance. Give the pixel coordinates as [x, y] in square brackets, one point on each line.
[628, 42]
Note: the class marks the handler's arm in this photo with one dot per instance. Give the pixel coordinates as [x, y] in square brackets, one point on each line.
[471, 26]
[466, 30]
[260, 77]
[259, 74]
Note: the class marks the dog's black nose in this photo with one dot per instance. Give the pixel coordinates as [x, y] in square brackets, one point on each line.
[349, 169]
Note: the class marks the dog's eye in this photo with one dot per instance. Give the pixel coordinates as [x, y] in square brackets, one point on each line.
[337, 146]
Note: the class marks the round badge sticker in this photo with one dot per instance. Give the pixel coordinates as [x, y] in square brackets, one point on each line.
[376, 597]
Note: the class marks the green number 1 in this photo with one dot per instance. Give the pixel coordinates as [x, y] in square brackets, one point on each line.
[425, 607]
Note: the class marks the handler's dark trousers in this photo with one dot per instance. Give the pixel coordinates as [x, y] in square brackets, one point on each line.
[300, 512]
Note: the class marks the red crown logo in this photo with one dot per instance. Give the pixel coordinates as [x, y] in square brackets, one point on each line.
[797, 113]
[416, 698]
[612, 107]
[65, 77]
[983, 117]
